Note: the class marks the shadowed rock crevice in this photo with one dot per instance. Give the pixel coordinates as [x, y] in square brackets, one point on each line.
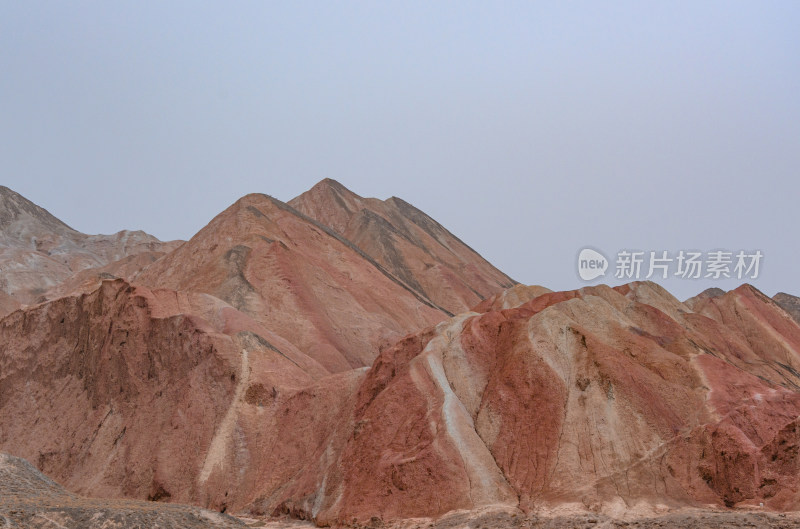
[385, 235]
[236, 289]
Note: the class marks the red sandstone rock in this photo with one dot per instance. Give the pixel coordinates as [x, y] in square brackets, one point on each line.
[148, 394]
[600, 398]
[216, 390]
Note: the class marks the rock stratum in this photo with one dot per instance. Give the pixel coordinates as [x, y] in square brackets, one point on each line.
[297, 360]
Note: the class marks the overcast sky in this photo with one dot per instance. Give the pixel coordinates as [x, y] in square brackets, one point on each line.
[529, 129]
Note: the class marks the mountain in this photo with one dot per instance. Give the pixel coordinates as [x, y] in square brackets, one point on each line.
[338, 299]
[789, 303]
[246, 343]
[299, 278]
[305, 360]
[408, 243]
[39, 252]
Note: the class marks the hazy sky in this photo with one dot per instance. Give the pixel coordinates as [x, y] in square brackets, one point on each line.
[529, 129]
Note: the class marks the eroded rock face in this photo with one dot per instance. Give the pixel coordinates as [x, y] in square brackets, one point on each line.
[223, 372]
[407, 242]
[600, 398]
[129, 392]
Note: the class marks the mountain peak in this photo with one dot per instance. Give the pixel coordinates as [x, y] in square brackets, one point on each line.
[330, 182]
[406, 242]
[328, 187]
[15, 208]
[331, 201]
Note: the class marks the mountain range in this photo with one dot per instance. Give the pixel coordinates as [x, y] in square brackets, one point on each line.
[343, 359]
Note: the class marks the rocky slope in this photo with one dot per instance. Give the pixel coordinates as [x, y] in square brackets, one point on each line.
[30, 500]
[603, 399]
[38, 252]
[408, 243]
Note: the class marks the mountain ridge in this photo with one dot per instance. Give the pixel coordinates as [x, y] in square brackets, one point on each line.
[407, 242]
[39, 252]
